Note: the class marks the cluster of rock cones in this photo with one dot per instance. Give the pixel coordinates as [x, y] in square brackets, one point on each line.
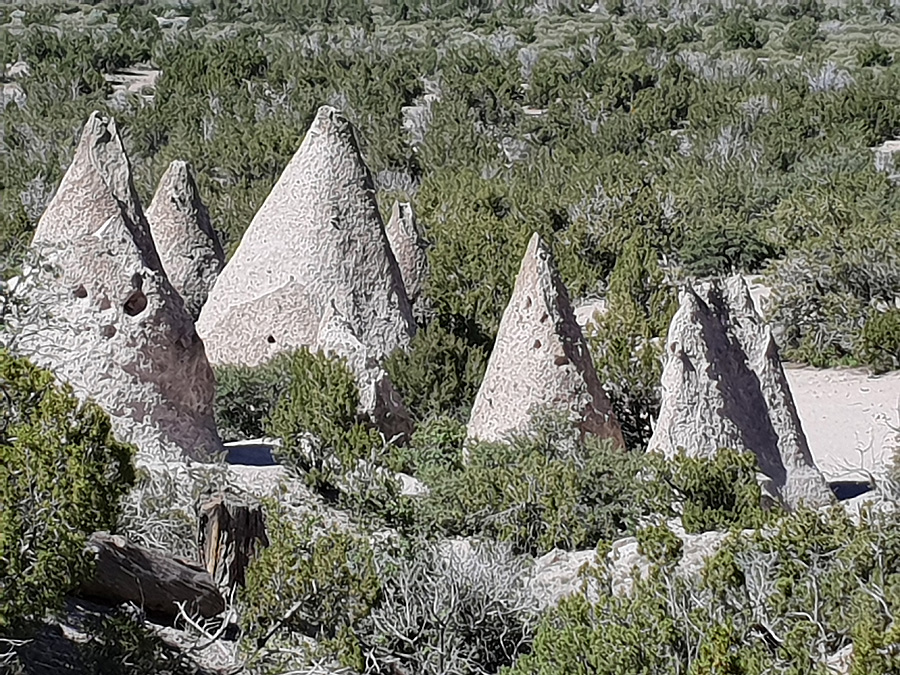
[121, 289]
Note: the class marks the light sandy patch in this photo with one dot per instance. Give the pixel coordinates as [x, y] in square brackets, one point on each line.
[850, 418]
[134, 80]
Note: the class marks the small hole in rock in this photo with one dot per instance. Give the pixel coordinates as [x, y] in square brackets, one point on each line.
[109, 331]
[537, 344]
[105, 304]
[135, 303]
[561, 360]
[80, 292]
[271, 339]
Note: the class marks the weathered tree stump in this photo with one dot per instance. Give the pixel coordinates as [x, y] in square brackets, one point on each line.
[230, 535]
[125, 572]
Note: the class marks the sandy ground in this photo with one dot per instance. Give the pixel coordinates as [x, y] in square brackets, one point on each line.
[136, 80]
[851, 419]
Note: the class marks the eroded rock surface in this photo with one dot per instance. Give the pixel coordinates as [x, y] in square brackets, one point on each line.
[315, 269]
[723, 386]
[540, 360]
[377, 396]
[107, 319]
[409, 247]
[188, 246]
[318, 238]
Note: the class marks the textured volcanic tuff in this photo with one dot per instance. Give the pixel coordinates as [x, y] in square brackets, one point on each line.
[109, 322]
[318, 238]
[540, 359]
[409, 247]
[188, 247]
[723, 386]
[317, 246]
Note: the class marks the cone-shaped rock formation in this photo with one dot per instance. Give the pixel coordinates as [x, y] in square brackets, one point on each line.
[317, 238]
[110, 322]
[723, 386]
[316, 256]
[540, 359]
[188, 246]
[409, 246]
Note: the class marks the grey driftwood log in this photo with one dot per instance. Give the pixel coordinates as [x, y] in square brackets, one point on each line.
[125, 572]
[230, 536]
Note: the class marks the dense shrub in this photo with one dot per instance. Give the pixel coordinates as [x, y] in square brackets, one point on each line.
[544, 490]
[880, 340]
[62, 475]
[784, 599]
[312, 581]
[316, 419]
[719, 493]
[439, 375]
[246, 397]
[626, 340]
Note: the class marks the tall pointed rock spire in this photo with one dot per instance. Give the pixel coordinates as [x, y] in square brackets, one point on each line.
[188, 246]
[723, 386]
[318, 238]
[109, 321]
[409, 246]
[540, 359]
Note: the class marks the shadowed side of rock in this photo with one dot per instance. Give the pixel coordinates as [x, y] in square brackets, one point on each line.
[409, 247]
[540, 360]
[110, 322]
[188, 246]
[721, 389]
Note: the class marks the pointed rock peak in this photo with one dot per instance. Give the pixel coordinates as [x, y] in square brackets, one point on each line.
[723, 386]
[95, 190]
[318, 237]
[409, 248]
[188, 246]
[540, 360]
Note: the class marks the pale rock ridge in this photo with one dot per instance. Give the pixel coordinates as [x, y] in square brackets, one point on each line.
[540, 360]
[110, 322]
[188, 246]
[377, 397]
[723, 386]
[318, 238]
[409, 247]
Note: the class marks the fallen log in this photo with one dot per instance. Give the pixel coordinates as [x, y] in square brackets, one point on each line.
[125, 572]
[230, 535]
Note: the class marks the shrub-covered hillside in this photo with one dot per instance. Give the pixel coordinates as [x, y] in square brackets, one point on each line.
[648, 142]
[720, 135]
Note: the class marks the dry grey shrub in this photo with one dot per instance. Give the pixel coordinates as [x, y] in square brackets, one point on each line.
[35, 197]
[829, 78]
[528, 58]
[12, 94]
[731, 67]
[160, 513]
[758, 106]
[502, 41]
[732, 146]
[455, 608]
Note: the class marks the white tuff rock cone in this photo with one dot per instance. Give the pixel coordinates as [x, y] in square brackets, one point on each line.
[409, 246]
[317, 241]
[723, 387]
[188, 246]
[110, 322]
[540, 359]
